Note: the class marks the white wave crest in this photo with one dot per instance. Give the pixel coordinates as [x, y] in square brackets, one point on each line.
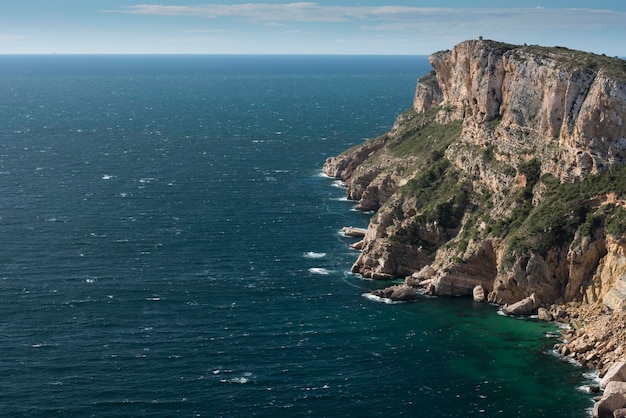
[312, 254]
[240, 380]
[319, 270]
[593, 375]
[379, 299]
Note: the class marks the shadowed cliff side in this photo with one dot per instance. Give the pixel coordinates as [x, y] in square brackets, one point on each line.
[508, 173]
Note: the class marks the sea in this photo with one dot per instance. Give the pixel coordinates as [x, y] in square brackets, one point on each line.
[169, 247]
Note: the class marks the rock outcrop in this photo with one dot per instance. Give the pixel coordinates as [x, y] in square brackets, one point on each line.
[351, 231]
[397, 293]
[526, 306]
[508, 173]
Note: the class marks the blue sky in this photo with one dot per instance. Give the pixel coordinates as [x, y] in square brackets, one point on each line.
[320, 27]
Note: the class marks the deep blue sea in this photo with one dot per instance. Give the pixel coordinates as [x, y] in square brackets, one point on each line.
[170, 248]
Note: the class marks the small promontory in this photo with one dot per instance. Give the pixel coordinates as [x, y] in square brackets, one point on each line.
[508, 173]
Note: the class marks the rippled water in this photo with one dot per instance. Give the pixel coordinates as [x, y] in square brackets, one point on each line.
[169, 247]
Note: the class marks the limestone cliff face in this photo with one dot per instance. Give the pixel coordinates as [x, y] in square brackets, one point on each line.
[474, 180]
[608, 284]
[572, 106]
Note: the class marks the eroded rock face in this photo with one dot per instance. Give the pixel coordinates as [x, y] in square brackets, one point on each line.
[471, 77]
[386, 259]
[616, 297]
[428, 94]
[531, 274]
[461, 278]
[607, 283]
[583, 260]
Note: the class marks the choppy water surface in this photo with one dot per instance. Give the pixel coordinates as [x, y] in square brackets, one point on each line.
[169, 247]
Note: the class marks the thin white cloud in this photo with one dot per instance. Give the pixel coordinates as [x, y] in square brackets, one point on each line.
[394, 28]
[507, 20]
[386, 16]
[294, 12]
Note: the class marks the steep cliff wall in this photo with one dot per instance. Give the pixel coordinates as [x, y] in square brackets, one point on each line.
[507, 173]
[575, 103]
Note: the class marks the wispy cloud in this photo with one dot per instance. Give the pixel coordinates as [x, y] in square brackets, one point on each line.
[503, 20]
[385, 15]
[405, 28]
[293, 12]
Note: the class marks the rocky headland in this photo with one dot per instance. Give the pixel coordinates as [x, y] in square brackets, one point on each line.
[506, 182]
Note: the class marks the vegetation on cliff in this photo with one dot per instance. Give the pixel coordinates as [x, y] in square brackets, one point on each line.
[579, 60]
[542, 214]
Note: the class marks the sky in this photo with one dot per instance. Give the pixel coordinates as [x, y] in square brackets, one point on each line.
[392, 27]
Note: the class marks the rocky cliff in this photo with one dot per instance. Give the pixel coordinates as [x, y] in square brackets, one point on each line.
[508, 173]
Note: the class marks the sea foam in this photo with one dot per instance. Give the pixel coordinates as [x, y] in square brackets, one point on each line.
[379, 299]
[319, 270]
[312, 254]
[339, 184]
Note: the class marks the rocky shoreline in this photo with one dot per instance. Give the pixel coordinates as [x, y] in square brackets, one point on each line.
[596, 338]
[591, 336]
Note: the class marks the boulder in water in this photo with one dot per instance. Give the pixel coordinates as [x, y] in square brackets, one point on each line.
[525, 306]
[478, 293]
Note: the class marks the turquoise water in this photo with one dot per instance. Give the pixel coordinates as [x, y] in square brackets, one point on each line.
[169, 247]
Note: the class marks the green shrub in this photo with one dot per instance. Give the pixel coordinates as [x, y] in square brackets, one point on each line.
[532, 171]
[616, 222]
